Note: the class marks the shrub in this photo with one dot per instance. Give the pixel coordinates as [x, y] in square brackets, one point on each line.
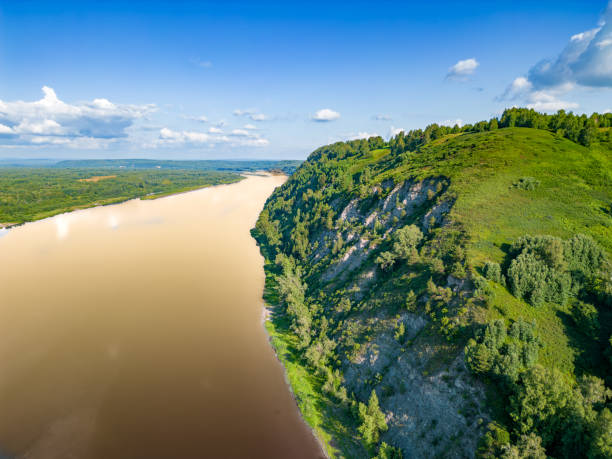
[492, 271]
[546, 268]
[527, 183]
[501, 354]
[388, 452]
[587, 318]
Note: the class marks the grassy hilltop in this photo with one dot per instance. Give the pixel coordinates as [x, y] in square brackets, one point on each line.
[448, 293]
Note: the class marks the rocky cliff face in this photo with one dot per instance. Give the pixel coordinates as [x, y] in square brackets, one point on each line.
[432, 404]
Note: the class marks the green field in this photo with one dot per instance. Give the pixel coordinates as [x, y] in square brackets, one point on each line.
[28, 194]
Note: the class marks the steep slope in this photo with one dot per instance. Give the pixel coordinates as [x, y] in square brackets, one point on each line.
[375, 262]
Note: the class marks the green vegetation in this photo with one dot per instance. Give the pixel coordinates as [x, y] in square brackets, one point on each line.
[390, 260]
[28, 194]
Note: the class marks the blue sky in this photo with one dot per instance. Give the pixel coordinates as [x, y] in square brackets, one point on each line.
[278, 79]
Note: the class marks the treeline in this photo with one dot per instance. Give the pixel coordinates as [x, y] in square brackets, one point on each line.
[581, 129]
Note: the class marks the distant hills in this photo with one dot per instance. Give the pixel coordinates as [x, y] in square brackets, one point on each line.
[286, 166]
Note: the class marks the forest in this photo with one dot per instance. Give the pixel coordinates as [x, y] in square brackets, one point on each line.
[448, 292]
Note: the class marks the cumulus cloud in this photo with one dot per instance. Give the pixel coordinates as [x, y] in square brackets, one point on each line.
[361, 135]
[393, 131]
[53, 121]
[452, 123]
[463, 69]
[250, 126]
[585, 61]
[547, 101]
[542, 100]
[214, 136]
[325, 114]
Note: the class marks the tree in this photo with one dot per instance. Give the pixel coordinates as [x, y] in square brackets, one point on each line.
[586, 136]
[491, 444]
[492, 271]
[386, 260]
[388, 452]
[539, 403]
[372, 420]
[601, 444]
[406, 240]
[528, 447]
[587, 318]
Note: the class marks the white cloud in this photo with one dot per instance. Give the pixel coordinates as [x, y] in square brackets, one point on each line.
[325, 114]
[393, 131]
[258, 117]
[251, 113]
[545, 101]
[604, 43]
[250, 126]
[5, 129]
[171, 136]
[463, 69]
[607, 110]
[237, 138]
[52, 121]
[452, 123]
[586, 60]
[240, 112]
[240, 132]
[362, 135]
[42, 127]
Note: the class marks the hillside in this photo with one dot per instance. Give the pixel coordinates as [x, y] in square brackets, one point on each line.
[447, 293]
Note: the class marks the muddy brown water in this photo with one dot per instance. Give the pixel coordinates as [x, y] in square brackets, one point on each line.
[134, 331]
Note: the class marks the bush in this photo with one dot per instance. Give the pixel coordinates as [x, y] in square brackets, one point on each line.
[500, 354]
[546, 268]
[587, 318]
[527, 183]
[492, 271]
[491, 444]
[533, 280]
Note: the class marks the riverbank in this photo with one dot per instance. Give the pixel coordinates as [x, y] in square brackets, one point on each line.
[317, 409]
[32, 194]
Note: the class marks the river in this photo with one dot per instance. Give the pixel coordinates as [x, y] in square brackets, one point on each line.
[134, 331]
